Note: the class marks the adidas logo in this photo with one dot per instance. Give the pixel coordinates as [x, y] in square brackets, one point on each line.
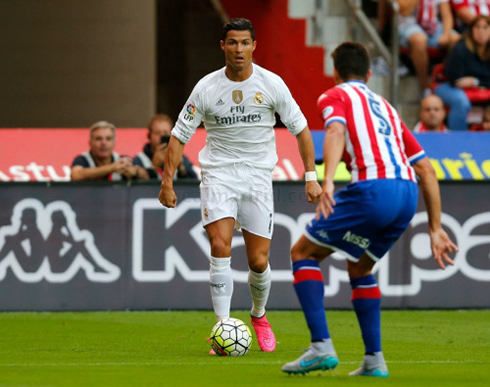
[220, 102]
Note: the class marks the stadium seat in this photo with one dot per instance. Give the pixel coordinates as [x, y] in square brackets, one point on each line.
[437, 76]
[434, 53]
[476, 95]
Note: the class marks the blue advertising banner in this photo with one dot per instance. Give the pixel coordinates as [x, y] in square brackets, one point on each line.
[454, 156]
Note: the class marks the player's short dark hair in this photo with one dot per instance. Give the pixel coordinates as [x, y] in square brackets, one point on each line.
[238, 24]
[351, 60]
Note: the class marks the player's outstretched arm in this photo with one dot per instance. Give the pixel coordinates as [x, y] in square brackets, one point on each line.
[441, 244]
[307, 151]
[172, 159]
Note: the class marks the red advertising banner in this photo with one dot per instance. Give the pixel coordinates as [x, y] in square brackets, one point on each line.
[47, 154]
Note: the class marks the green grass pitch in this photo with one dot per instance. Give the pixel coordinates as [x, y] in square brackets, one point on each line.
[422, 348]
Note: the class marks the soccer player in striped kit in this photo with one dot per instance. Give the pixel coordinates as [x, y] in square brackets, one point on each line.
[365, 219]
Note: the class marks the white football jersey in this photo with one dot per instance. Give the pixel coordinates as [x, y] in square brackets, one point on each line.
[239, 118]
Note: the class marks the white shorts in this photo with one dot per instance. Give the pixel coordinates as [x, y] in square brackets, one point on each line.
[239, 192]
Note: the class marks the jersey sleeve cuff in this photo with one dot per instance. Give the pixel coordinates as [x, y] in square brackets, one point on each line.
[335, 119]
[298, 127]
[181, 136]
[416, 157]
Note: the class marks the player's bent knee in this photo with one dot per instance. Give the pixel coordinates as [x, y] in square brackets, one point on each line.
[359, 269]
[219, 248]
[258, 264]
[297, 252]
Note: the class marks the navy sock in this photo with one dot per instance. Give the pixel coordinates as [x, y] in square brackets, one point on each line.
[366, 299]
[308, 283]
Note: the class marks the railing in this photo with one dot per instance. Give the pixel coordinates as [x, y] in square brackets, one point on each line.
[389, 54]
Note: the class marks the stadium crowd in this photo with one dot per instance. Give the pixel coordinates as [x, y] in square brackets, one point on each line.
[448, 46]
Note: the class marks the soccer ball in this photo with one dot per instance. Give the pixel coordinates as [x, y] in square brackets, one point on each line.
[231, 337]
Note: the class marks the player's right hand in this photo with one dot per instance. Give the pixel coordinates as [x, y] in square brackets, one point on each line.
[327, 202]
[167, 196]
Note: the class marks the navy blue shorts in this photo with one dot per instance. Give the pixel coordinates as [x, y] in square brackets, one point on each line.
[369, 217]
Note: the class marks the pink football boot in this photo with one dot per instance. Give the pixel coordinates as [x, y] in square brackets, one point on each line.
[265, 336]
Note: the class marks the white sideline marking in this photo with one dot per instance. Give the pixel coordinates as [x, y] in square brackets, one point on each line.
[207, 362]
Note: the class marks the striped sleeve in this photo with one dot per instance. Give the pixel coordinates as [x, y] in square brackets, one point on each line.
[413, 149]
[331, 107]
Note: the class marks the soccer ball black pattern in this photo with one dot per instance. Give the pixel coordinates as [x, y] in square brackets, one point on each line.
[231, 337]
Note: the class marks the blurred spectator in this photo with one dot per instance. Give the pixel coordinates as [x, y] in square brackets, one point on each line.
[384, 27]
[467, 66]
[423, 24]
[153, 154]
[101, 162]
[465, 11]
[432, 115]
[485, 124]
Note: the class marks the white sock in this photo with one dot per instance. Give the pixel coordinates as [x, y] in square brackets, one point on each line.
[373, 360]
[221, 286]
[260, 287]
[324, 346]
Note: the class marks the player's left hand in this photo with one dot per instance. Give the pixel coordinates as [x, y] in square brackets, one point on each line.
[313, 191]
[441, 245]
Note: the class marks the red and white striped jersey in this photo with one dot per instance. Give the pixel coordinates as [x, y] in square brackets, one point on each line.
[427, 12]
[477, 7]
[421, 128]
[378, 144]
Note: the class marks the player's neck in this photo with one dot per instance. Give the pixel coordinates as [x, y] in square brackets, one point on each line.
[238, 75]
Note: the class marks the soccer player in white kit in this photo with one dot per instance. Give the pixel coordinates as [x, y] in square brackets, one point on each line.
[237, 105]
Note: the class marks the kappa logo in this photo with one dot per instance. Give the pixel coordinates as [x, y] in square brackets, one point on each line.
[323, 234]
[45, 243]
[174, 263]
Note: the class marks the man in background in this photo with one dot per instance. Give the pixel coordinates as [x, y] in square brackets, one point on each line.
[465, 11]
[101, 162]
[153, 155]
[432, 115]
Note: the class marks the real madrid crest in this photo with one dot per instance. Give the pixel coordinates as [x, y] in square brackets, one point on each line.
[237, 96]
[259, 98]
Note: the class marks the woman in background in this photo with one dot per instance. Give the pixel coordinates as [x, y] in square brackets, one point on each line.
[467, 66]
